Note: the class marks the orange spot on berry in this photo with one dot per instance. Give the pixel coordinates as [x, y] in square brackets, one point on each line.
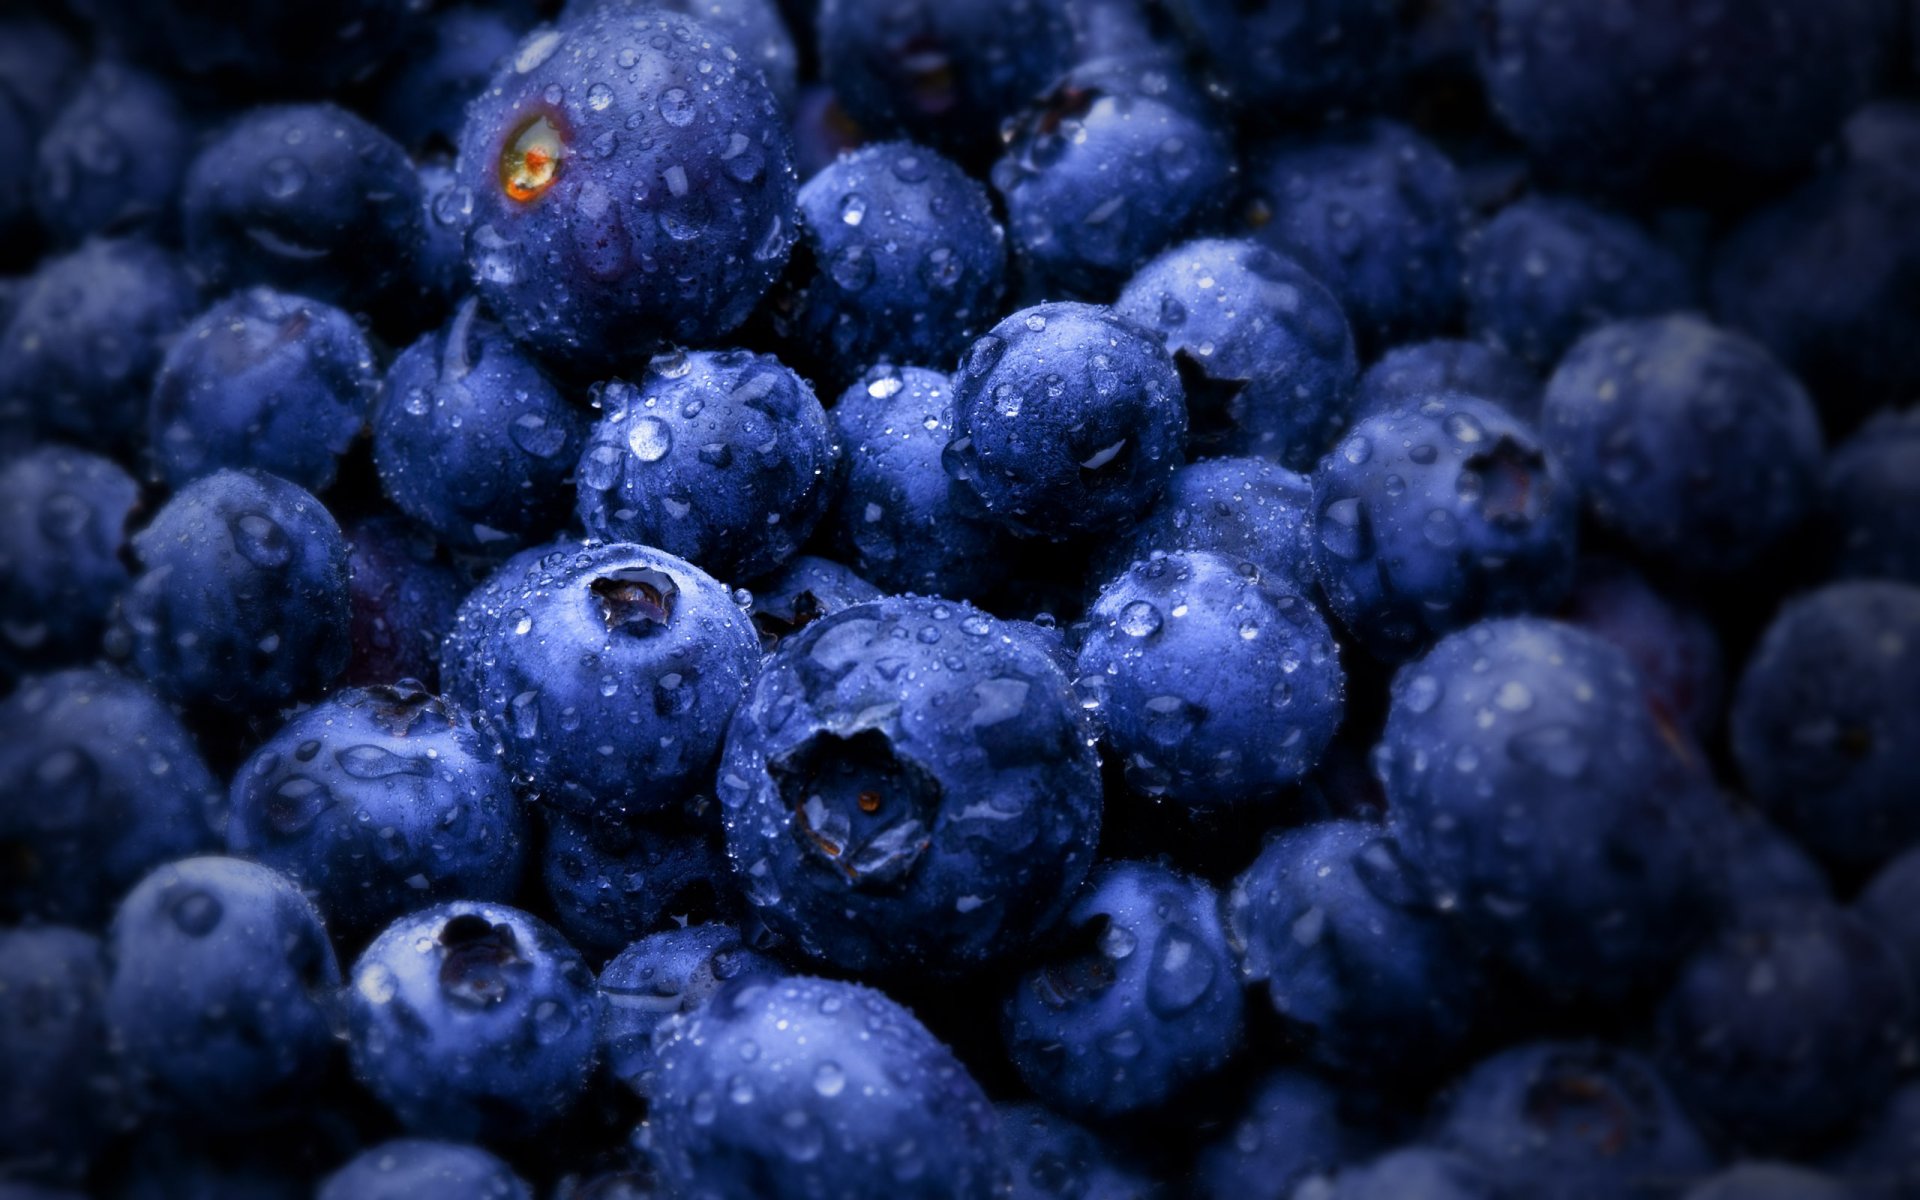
[531, 161]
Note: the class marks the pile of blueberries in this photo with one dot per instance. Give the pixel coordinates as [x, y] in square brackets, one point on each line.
[964, 599]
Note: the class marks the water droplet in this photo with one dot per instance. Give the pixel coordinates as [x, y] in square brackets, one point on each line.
[261, 541]
[650, 439]
[676, 107]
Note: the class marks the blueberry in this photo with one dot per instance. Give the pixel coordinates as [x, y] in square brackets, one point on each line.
[1611, 96]
[1412, 1173]
[781, 1089]
[632, 182]
[1546, 269]
[942, 74]
[1823, 714]
[1375, 212]
[1363, 971]
[1137, 999]
[616, 645]
[1112, 165]
[1828, 277]
[1215, 686]
[1671, 642]
[899, 518]
[451, 57]
[1771, 1181]
[63, 531]
[754, 28]
[1687, 440]
[1410, 373]
[472, 439]
[283, 46]
[403, 603]
[1243, 509]
[1066, 420]
[440, 259]
[1291, 1128]
[242, 598]
[662, 976]
[900, 260]
[1051, 1158]
[1295, 56]
[1872, 483]
[802, 592]
[221, 976]
[262, 379]
[309, 198]
[85, 338]
[1572, 1121]
[415, 1169]
[59, 1097]
[1430, 517]
[101, 783]
[609, 882]
[114, 155]
[910, 784]
[379, 800]
[1786, 1027]
[472, 1020]
[1263, 349]
[1532, 786]
[722, 457]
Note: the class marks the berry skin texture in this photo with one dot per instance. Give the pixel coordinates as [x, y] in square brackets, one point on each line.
[724, 458]
[801, 1087]
[1067, 420]
[632, 183]
[1687, 440]
[1408, 374]
[102, 784]
[802, 592]
[1247, 510]
[57, 1099]
[416, 1169]
[1215, 687]
[472, 439]
[1872, 484]
[114, 155]
[900, 260]
[1824, 717]
[463, 647]
[64, 517]
[380, 800]
[1428, 518]
[241, 602]
[229, 937]
[1136, 1000]
[307, 198]
[754, 28]
[1367, 976]
[662, 976]
[1375, 212]
[1787, 1027]
[472, 1020]
[615, 645]
[1263, 349]
[262, 379]
[1571, 1121]
[609, 882]
[1529, 782]
[910, 784]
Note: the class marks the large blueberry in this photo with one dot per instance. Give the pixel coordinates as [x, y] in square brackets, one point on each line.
[58, 1097]
[1535, 789]
[471, 1020]
[611, 674]
[1410, 373]
[262, 379]
[241, 600]
[909, 784]
[724, 458]
[64, 518]
[661, 976]
[1066, 420]
[800, 1087]
[1263, 348]
[379, 800]
[416, 1169]
[472, 439]
[222, 974]
[632, 182]
[1243, 509]
[99, 783]
[1428, 517]
[114, 156]
[1214, 685]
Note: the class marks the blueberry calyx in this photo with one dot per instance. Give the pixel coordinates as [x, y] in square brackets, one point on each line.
[476, 956]
[859, 808]
[1504, 481]
[636, 600]
[1085, 968]
[773, 626]
[399, 707]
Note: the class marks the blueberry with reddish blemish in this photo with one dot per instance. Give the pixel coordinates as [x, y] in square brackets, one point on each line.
[222, 936]
[404, 601]
[616, 646]
[472, 439]
[1243, 509]
[1137, 998]
[472, 1020]
[1412, 372]
[661, 976]
[909, 785]
[113, 157]
[802, 592]
[380, 800]
[64, 527]
[1431, 516]
[308, 198]
[632, 182]
[263, 379]
[609, 881]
